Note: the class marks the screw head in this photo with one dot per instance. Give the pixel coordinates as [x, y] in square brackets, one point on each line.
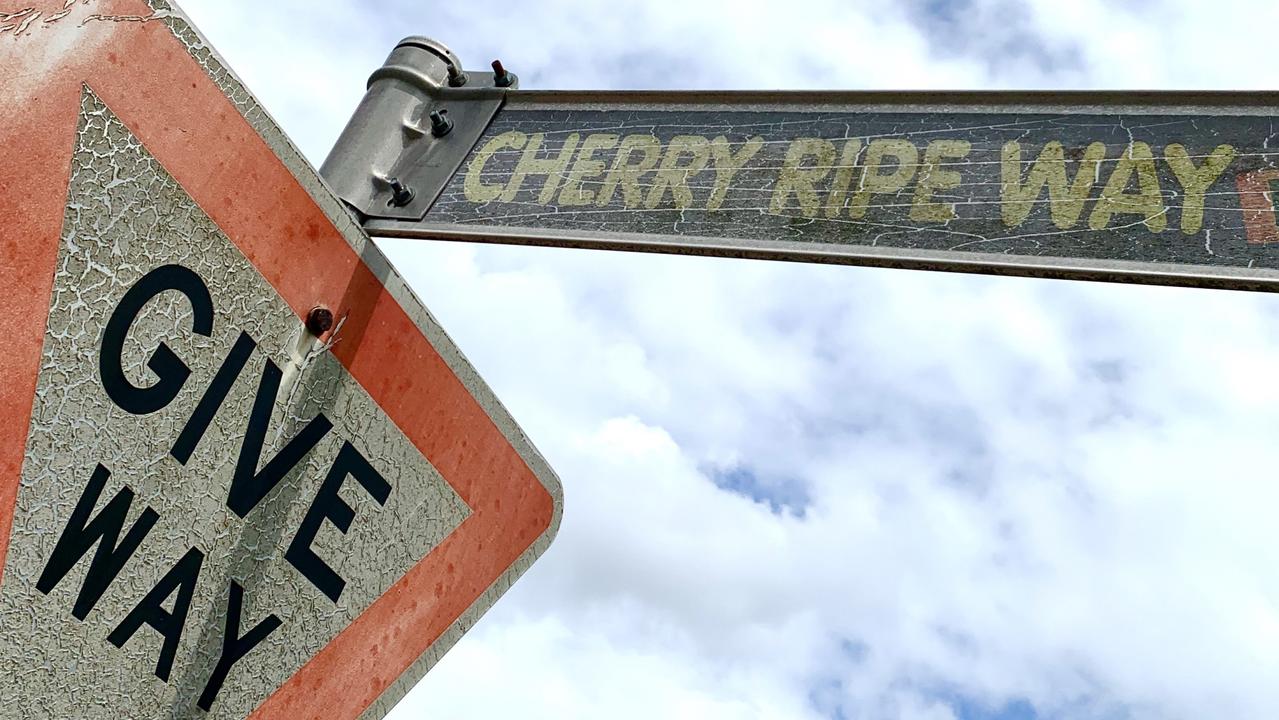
[457, 78]
[441, 125]
[401, 194]
[319, 320]
[501, 77]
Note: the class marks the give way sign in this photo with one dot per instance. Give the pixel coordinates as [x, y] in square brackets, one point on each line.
[208, 506]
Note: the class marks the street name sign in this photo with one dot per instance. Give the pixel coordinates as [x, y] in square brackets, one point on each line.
[243, 471]
[1164, 188]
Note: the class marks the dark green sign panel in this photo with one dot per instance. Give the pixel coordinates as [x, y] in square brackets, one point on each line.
[1146, 191]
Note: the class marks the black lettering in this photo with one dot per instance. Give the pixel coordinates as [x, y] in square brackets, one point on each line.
[328, 505]
[214, 396]
[150, 610]
[249, 485]
[173, 373]
[104, 529]
[234, 647]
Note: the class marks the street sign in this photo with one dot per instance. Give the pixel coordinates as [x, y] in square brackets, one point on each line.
[1164, 188]
[243, 472]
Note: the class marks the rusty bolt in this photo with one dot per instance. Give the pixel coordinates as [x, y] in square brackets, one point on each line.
[319, 320]
[501, 77]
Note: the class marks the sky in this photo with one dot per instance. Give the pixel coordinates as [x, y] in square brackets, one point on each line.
[813, 492]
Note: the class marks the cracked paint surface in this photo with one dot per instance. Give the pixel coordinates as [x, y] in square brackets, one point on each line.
[20, 22]
[1144, 187]
[181, 105]
[120, 201]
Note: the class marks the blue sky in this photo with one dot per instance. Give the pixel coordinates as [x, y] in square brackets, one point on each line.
[816, 492]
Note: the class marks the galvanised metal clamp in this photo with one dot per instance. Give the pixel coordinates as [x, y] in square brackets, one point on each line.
[419, 118]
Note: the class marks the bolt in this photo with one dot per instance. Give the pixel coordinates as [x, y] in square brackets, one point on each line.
[501, 77]
[440, 123]
[457, 78]
[319, 320]
[401, 194]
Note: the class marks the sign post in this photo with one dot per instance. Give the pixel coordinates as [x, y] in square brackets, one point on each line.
[243, 472]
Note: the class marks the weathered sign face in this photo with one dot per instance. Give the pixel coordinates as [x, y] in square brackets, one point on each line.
[1103, 186]
[205, 509]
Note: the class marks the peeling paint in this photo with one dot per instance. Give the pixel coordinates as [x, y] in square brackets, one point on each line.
[20, 22]
[142, 191]
[120, 197]
[157, 15]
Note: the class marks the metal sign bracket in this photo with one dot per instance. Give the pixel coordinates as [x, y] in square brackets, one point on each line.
[419, 118]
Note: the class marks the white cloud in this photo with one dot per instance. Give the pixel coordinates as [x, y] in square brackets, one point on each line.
[1042, 490]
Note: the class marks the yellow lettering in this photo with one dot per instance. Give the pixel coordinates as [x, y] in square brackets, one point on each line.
[552, 167]
[473, 187]
[843, 178]
[932, 179]
[873, 182]
[584, 168]
[1148, 201]
[1066, 200]
[1196, 180]
[627, 175]
[727, 164]
[674, 176]
[800, 179]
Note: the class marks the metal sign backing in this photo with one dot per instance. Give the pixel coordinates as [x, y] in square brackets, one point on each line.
[1165, 188]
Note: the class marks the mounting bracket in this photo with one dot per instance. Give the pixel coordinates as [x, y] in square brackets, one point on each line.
[419, 118]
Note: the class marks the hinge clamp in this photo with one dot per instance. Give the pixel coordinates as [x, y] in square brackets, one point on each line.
[419, 119]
